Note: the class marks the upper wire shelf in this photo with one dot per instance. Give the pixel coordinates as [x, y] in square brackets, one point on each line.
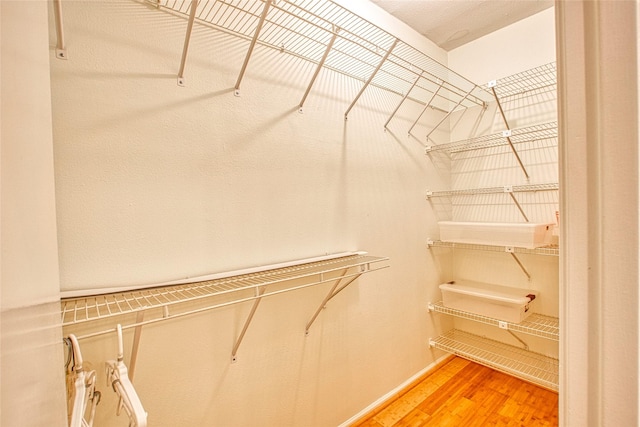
[531, 82]
[305, 29]
[545, 132]
[198, 296]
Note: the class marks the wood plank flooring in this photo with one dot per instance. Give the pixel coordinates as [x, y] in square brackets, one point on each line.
[464, 394]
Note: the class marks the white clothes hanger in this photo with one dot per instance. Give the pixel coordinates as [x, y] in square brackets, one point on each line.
[81, 388]
[118, 378]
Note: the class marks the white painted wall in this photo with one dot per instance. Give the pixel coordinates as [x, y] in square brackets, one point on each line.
[31, 371]
[521, 46]
[156, 182]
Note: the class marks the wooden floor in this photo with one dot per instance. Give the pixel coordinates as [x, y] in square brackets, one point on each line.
[463, 393]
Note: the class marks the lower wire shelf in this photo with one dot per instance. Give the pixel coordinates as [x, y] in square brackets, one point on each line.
[530, 366]
[536, 324]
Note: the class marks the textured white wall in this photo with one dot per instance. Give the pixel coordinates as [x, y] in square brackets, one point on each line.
[523, 45]
[157, 182]
[31, 371]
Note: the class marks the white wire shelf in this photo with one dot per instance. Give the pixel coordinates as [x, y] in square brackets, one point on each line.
[535, 324]
[550, 250]
[167, 302]
[530, 366]
[546, 133]
[305, 30]
[527, 83]
[495, 190]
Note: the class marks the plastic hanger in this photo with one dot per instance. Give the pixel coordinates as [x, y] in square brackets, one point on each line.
[118, 378]
[81, 387]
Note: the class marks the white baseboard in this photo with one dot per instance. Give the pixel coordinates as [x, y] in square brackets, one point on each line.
[380, 401]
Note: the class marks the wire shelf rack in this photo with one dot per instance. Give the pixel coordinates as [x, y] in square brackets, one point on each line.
[156, 302]
[530, 366]
[305, 29]
[495, 190]
[527, 83]
[535, 324]
[545, 132]
[549, 250]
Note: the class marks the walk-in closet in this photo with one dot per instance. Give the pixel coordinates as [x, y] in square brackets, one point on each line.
[290, 212]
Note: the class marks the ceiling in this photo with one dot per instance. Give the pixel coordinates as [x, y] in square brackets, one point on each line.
[452, 23]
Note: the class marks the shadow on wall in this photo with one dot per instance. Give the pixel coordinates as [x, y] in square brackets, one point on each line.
[159, 108]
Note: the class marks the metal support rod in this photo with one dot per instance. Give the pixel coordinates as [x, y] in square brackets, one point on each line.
[425, 108]
[406, 95]
[256, 302]
[519, 207]
[337, 291]
[506, 123]
[386, 55]
[61, 49]
[327, 298]
[263, 16]
[524, 344]
[136, 344]
[187, 38]
[331, 294]
[319, 67]
[515, 257]
[450, 112]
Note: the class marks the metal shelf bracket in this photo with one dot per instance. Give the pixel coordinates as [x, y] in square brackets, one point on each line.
[406, 95]
[252, 45]
[450, 112]
[187, 38]
[425, 108]
[507, 134]
[511, 251]
[524, 344]
[509, 189]
[258, 292]
[370, 79]
[332, 293]
[319, 67]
